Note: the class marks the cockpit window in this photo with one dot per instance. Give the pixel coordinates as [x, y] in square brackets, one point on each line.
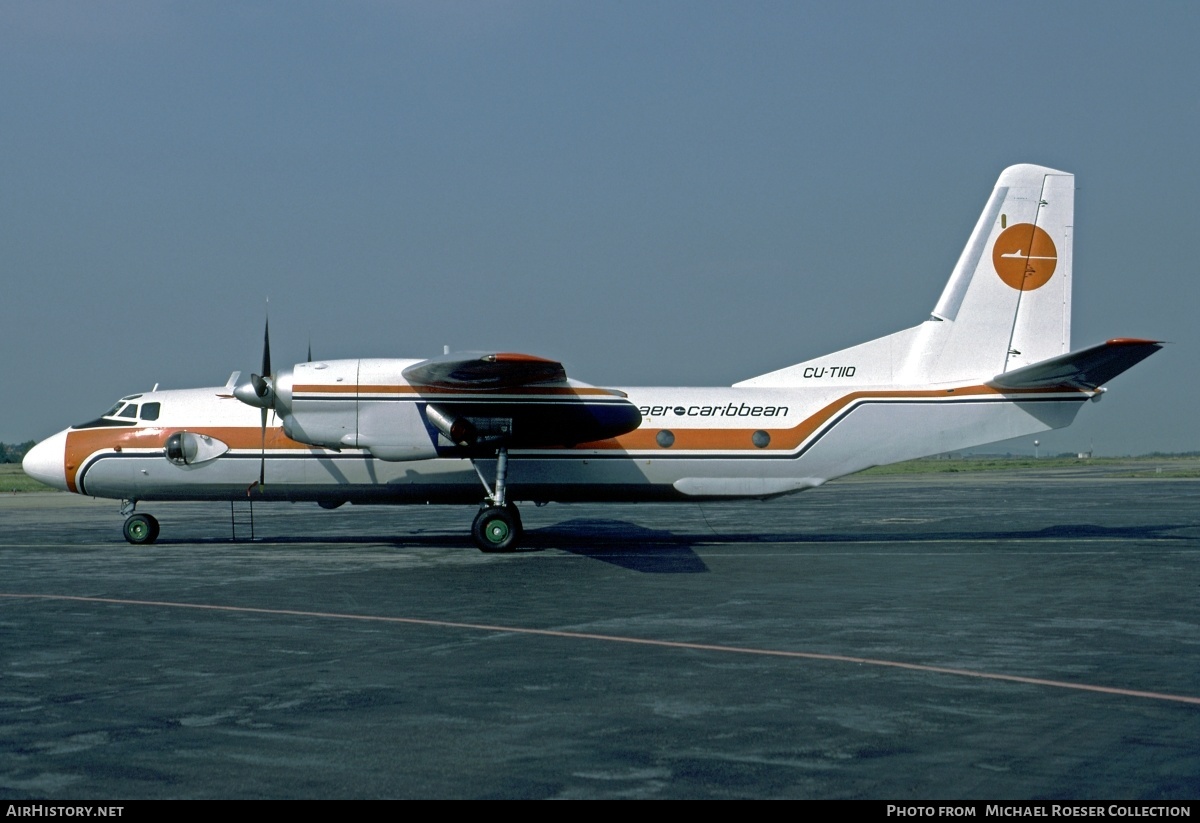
[123, 413]
[150, 411]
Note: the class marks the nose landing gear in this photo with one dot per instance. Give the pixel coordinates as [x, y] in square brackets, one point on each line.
[140, 529]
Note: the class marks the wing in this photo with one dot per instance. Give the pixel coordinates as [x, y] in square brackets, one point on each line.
[487, 400]
[1083, 369]
[481, 371]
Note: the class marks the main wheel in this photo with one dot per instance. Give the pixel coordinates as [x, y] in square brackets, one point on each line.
[495, 529]
[140, 529]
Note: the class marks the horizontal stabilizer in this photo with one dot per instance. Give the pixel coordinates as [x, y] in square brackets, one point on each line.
[479, 371]
[1083, 369]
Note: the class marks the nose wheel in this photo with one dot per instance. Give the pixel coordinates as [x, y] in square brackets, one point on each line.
[140, 529]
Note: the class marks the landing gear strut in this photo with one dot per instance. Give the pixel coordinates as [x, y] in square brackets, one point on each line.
[497, 527]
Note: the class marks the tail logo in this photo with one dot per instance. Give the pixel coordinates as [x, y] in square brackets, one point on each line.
[1024, 256]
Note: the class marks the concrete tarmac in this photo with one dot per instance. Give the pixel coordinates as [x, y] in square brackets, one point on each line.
[935, 637]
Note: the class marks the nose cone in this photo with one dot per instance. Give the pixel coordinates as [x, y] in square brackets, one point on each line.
[44, 462]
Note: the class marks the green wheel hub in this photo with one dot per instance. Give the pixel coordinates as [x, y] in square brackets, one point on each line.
[140, 529]
[497, 531]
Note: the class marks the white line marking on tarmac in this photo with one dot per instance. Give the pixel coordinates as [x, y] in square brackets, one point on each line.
[610, 638]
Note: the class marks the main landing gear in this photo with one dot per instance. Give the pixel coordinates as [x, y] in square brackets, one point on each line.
[497, 527]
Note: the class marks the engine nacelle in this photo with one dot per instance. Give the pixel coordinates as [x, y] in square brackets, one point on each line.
[394, 431]
[317, 403]
[323, 404]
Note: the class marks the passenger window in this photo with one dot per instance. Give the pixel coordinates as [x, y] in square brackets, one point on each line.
[129, 411]
[150, 411]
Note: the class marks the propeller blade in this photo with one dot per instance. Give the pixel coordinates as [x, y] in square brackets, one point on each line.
[266, 363]
[262, 388]
[262, 462]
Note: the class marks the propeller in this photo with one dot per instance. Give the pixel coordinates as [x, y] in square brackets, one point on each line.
[260, 391]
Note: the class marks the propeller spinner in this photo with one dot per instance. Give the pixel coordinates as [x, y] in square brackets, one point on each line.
[259, 389]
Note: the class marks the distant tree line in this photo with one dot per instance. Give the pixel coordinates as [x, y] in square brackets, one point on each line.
[15, 452]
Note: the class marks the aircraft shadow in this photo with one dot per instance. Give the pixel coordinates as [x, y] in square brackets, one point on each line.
[624, 544]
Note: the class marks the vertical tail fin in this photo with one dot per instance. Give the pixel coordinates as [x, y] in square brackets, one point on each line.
[1008, 302]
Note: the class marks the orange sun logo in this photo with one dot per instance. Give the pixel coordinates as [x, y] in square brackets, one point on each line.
[1024, 256]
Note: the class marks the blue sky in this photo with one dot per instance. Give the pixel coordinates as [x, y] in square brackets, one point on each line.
[656, 193]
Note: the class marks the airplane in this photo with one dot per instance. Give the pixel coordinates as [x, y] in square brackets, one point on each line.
[992, 362]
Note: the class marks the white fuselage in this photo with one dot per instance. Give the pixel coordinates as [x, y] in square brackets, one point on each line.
[692, 443]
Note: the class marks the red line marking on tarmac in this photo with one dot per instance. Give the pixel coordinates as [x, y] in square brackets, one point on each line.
[611, 638]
